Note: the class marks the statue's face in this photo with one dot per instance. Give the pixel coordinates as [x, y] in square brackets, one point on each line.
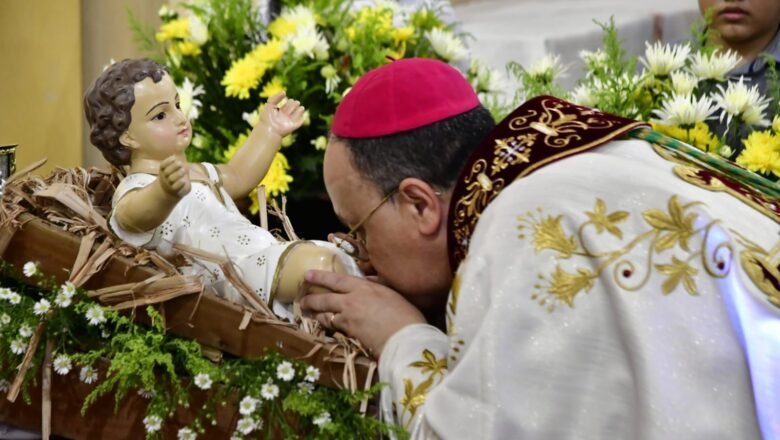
[158, 128]
[743, 21]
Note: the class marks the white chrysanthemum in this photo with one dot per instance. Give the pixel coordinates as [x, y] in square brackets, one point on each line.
[447, 45]
[146, 394]
[25, 331]
[285, 371]
[714, 66]
[4, 384]
[332, 78]
[309, 42]
[322, 419]
[486, 78]
[88, 374]
[186, 434]
[246, 425]
[5, 293]
[62, 364]
[584, 95]
[685, 111]
[269, 391]
[95, 315]
[548, 66]
[302, 16]
[199, 32]
[68, 289]
[742, 102]
[62, 301]
[5, 319]
[152, 423]
[663, 59]
[593, 59]
[42, 307]
[683, 83]
[18, 346]
[203, 381]
[30, 269]
[312, 373]
[14, 298]
[105, 334]
[247, 406]
[188, 103]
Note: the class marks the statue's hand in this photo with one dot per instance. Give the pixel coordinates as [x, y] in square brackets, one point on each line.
[174, 177]
[282, 120]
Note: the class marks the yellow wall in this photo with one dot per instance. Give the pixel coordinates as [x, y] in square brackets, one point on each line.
[40, 80]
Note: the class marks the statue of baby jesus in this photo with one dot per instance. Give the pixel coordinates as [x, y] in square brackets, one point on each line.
[135, 120]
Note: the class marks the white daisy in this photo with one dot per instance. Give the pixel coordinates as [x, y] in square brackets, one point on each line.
[309, 42]
[447, 45]
[68, 289]
[186, 434]
[302, 16]
[312, 373]
[18, 346]
[5, 293]
[62, 301]
[246, 425]
[714, 66]
[584, 95]
[95, 315]
[4, 384]
[663, 59]
[42, 307]
[685, 111]
[269, 391]
[25, 331]
[742, 102]
[146, 394]
[331, 76]
[549, 66]
[285, 371]
[14, 298]
[30, 269]
[105, 334]
[322, 419]
[152, 423]
[188, 103]
[203, 381]
[247, 405]
[88, 374]
[62, 364]
[593, 60]
[5, 319]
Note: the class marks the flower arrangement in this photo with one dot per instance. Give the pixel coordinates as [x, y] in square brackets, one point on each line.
[683, 91]
[227, 62]
[146, 360]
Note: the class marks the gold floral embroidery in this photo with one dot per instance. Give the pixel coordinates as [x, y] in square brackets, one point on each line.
[560, 123]
[512, 151]
[762, 267]
[415, 395]
[670, 229]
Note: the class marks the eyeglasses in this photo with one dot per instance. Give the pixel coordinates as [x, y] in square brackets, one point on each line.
[358, 244]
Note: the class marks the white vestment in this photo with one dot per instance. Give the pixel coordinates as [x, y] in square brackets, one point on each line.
[602, 297]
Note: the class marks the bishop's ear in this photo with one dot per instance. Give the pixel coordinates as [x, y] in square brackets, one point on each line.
[423, 203]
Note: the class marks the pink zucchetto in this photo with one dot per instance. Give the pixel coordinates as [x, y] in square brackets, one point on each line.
[403, 95]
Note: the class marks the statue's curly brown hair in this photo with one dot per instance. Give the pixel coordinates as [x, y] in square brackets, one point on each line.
[108, 102]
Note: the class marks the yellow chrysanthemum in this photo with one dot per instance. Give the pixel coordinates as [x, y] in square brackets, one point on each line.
[351, 32]
[231, 150]
[243, 76]
[179, 28]
[187, 48]
[761, 153]
[270, 52]
[281, 27]
[276, 181]
[699, 136]
[272, 87]
[402, 34]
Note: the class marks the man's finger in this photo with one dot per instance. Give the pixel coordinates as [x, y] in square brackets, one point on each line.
[335, 282]
[321, 303]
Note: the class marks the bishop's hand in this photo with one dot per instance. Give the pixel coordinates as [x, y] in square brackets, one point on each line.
[282, 120]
